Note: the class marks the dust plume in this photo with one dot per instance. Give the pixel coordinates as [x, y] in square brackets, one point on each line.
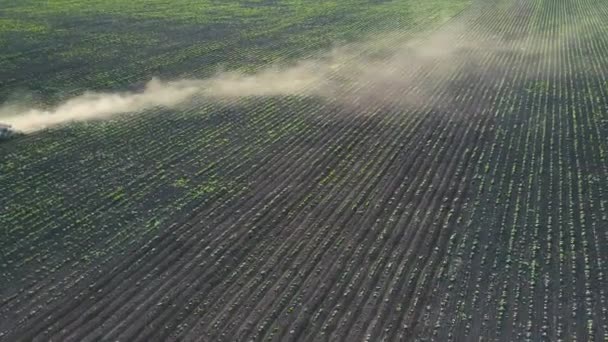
[357, 72]
[156, 93]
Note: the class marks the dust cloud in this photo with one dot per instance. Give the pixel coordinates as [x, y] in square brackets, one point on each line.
[168, 94]
[357, 72]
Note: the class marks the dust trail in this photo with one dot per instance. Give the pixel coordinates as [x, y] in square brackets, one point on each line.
[379, 64]
[95, 105]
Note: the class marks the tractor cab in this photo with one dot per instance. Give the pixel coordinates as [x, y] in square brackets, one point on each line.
[6, 131]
